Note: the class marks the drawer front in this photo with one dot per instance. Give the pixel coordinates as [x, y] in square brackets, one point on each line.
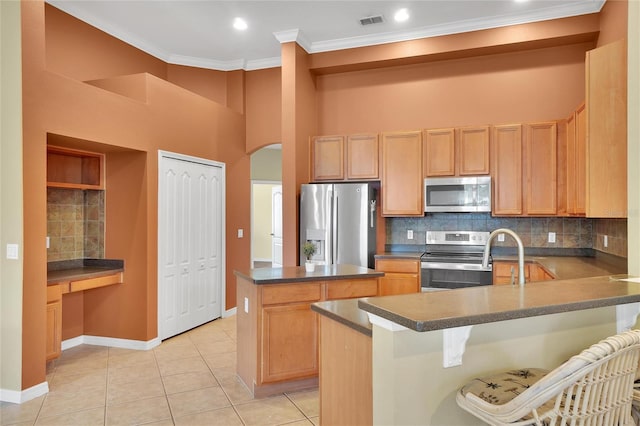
[398, 265]
[290, 293]
[96, 282]
[347, 289]
[54, 292]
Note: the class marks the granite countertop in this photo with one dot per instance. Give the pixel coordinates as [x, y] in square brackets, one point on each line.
[566, 267]
[80, 269]
[399, 255]
[346, 312]
[290, 274]
[478, 305]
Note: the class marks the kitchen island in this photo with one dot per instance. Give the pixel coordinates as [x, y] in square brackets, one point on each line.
[425, 346]
[278, 332]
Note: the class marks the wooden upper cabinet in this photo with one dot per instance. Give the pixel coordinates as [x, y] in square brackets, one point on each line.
[506, 169]
[572, 163]
[541, 168]
[401, 155]
[606, 129]
[74, 169]
[362, 157]
[456, 152]
[473, 151]
[327, 158]
[439, 156]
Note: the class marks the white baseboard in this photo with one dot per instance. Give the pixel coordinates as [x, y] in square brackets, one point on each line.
[230, 312]
[18, 397]
[111, 341]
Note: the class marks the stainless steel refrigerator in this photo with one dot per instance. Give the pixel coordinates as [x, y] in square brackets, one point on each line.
[340, 219]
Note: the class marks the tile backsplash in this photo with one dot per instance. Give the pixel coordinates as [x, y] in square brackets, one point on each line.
[571, 233]
[75, 224]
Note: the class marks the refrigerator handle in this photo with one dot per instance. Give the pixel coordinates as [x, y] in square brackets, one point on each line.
[372, 210]
[334, 254]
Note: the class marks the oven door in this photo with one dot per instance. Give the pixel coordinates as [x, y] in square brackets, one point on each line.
[439, 276]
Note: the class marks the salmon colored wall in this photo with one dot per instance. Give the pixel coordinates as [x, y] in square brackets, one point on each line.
[499, 40]
[512, 87]
[236, 91]
[211, 84]
[264, 108]
[613, 21]
[130, 132]
[298, 123]
[71, 51]
[72, 315]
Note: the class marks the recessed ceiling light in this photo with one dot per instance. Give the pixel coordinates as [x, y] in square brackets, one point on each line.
[401, 15]
[240, 24]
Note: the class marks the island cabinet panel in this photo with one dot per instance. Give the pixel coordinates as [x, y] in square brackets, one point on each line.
[402, 183]
[278, 332]
[541, 169]
[401, 276]
[362, 157]
[439, 155]
[327, 158]
[506, 169]
[289, 342]
[473, 151]
[606, 124]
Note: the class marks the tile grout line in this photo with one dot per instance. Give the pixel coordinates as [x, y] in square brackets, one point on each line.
[164, 389]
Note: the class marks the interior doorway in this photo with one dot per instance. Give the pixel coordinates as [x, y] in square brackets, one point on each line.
[191, 255]
[266, 207]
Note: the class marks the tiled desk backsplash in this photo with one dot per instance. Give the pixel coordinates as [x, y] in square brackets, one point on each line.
[75, 224]
[570, 232]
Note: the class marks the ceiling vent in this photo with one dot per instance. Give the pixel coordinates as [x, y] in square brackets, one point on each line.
[369, 20]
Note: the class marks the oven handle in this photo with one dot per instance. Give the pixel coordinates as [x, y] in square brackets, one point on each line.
[456, 266]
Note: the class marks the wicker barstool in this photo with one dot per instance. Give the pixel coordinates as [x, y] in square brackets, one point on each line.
[595, 387]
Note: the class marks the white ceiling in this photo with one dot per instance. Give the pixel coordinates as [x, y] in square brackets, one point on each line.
[200, 33]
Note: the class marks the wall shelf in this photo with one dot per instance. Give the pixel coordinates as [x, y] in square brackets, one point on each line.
[74, 169]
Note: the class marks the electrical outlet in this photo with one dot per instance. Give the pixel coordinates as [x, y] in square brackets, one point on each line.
[552, 237]
[48, 242]
[501, 237]
[606, 241]
[409, 234]
[246, 305]
[240, 233]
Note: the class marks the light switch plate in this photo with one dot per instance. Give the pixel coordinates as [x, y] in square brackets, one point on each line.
[409, 234]
[240, 233]
[552, 237]
[12, 251]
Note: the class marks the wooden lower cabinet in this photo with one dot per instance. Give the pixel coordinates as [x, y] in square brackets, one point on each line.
[346, 385]
[289, 342]
[401, 276]
[54, 322]
[503, 272]
[278, 332]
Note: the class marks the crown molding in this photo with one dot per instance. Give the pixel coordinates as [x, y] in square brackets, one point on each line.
[296, 35]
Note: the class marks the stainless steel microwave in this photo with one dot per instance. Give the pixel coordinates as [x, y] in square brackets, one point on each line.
[457, 194]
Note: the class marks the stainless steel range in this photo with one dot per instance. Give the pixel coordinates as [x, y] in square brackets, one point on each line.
[453, 259]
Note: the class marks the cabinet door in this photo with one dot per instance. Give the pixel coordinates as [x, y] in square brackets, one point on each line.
[439, 156]
[473, 151]
[506, 169]
[401, 155]
[541, 178]
[580, 163]
[362, 157]
[606, 104]
[507, 273]
[327, 158]
[396, 283]
[289, 342]
[54, 330]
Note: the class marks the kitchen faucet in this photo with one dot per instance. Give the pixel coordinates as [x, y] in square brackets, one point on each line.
[487, 249]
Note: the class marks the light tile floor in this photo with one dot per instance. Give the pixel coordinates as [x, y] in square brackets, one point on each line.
[189, 379]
